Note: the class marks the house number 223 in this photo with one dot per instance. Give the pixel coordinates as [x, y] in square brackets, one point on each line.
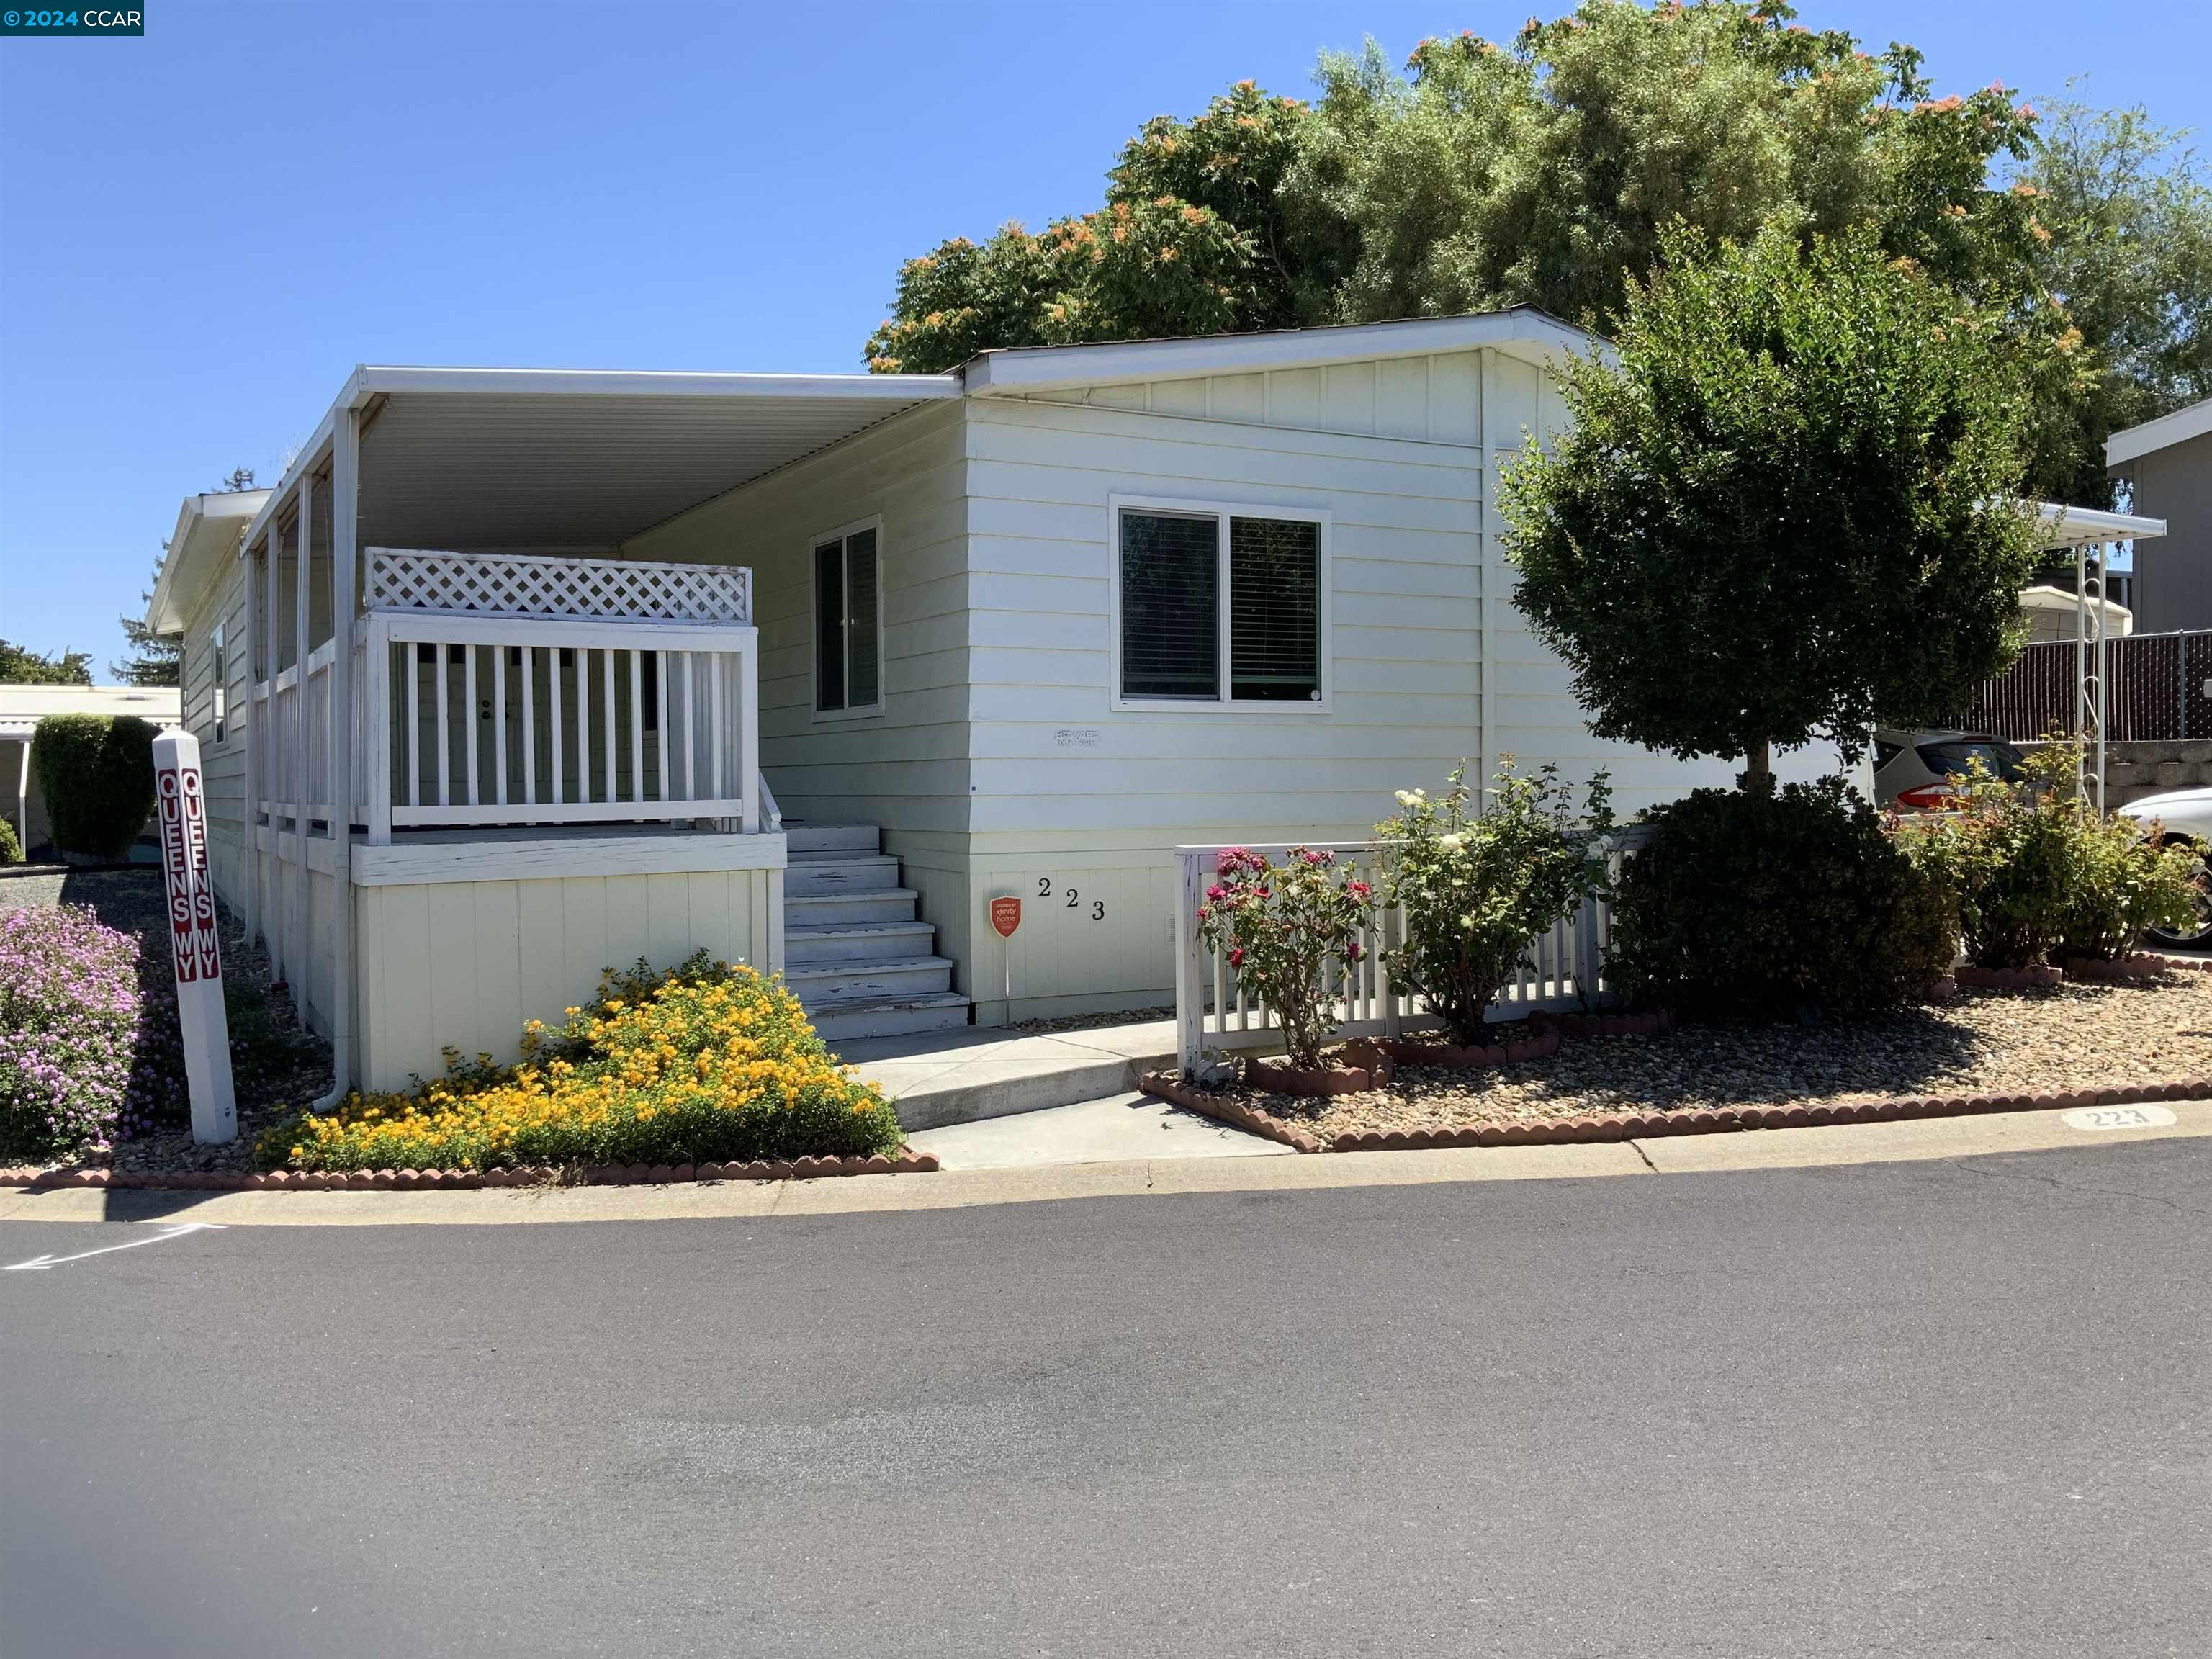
[1074, 899]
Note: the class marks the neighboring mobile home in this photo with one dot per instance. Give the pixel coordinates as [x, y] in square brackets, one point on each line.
[2167, 464]
[22, 706]
[1016, 630]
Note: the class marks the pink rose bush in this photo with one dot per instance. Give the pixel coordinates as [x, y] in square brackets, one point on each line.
[1286, 928]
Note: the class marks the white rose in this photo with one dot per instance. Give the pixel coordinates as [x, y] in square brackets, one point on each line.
[1451, 843]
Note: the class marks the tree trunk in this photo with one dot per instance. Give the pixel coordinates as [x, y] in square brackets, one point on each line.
[1757, 768]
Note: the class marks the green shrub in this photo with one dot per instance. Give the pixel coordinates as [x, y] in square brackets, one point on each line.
[1776, 904]
[2037, 875]
[97, 771]
[11, 850]
[1476, 890]
[706, 1064]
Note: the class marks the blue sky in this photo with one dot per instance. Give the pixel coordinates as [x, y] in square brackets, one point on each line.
[202, 231]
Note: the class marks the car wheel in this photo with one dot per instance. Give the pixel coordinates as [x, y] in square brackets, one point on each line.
[2195, 938]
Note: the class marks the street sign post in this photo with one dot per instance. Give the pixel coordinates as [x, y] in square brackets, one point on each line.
[194, 952]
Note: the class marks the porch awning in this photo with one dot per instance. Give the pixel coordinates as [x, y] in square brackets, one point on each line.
[578, 461]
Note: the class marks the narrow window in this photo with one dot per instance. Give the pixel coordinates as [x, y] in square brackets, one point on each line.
[220, 701]
[1220, 606]
[848, 624]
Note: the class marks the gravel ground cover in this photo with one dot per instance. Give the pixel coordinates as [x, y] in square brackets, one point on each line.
[1093, 1022]
[2070, 1037]
[275, 1067]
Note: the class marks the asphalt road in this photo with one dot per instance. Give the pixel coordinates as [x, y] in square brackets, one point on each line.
[1924, 1409]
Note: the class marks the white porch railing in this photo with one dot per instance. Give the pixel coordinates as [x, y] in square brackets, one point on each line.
[1562, 970]
[278, 700]
[492, 720]
[516, 688]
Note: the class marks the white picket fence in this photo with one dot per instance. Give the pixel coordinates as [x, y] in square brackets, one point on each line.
[1562, 970]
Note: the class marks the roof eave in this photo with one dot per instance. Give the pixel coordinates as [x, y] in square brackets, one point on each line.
[192, 560]
[2178, 427]
[1523, 332]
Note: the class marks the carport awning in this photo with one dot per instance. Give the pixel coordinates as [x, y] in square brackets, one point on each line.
[471, 460]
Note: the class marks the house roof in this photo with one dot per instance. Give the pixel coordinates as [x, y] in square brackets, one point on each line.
[2165, 432]
[208, 529]
[1525, 332]
[22, 706]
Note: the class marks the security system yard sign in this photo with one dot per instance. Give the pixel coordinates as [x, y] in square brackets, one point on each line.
[194, 952]
[1006, 919]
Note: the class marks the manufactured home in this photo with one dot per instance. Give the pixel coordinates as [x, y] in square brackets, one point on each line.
[808, 670]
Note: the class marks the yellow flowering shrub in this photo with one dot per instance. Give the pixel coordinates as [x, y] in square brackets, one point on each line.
[706, 1063]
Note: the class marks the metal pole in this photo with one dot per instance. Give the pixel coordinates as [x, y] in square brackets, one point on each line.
[2104, 663]
[2080, 669]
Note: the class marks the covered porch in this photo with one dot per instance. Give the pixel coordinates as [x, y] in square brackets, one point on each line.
[487, 753]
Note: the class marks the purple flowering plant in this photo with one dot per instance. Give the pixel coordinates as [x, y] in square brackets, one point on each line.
[87, 1056]
[1287, 928]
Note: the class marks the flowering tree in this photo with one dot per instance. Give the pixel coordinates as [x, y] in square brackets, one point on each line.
[1283, 927]
[1475, 889]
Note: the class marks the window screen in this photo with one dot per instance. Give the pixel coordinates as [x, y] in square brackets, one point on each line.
[1171, 598]
[219, 695]
[1274, 610]
[848, 595]
[860, 674]
[829, 626]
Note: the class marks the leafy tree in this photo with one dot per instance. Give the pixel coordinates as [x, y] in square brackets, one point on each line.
[147, 659]
[2129, 213]
[1195, 238]
[21, 665]
[1775, 518]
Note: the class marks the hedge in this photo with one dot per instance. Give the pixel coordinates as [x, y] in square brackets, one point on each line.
[97, 771]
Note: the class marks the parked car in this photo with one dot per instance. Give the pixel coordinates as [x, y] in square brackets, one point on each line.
[2186, 815]
[1912, 770]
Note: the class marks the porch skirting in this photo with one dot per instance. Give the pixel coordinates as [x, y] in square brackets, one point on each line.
[459, 939]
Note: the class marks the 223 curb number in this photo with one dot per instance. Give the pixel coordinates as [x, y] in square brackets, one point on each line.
[2092, 1118]
[1074, 899]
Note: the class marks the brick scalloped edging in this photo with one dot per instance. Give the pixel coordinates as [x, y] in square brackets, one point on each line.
[1233, 1113]
[1630, 1126]
[414, 1181]
[2134, 969]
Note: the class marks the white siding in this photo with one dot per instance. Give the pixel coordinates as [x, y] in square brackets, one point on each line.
[464, 965]
[906, 769]
[223, 765]
[1073, 796]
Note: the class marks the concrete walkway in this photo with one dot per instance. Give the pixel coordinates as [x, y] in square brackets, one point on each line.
[962, 1077]
[1120, 1127]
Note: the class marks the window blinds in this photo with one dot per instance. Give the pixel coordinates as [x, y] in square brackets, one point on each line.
[1274, 610]
[1171, 597]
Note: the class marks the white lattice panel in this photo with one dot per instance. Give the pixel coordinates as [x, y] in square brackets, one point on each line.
[529, 585]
